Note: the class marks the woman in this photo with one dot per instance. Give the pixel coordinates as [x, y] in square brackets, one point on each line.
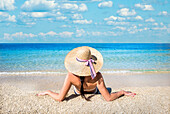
[83, 65]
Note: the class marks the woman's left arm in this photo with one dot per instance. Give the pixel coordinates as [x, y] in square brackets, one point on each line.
[110, 97]
[59, 96]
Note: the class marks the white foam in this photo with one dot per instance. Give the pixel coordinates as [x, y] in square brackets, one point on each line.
[28, 73]
[120, 71]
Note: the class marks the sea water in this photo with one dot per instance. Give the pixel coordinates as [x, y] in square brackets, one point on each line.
[47, 58]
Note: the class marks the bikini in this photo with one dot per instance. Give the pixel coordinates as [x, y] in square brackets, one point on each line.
[88, 91]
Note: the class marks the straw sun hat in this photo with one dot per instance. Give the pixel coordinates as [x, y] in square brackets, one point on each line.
[83, 61]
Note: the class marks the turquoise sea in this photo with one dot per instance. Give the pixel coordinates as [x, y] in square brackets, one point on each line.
[49, 57]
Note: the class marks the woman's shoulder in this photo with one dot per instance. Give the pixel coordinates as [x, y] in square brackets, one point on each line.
[98, 77]
[72, 77]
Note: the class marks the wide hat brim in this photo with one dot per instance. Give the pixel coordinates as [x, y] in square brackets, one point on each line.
[79, 68]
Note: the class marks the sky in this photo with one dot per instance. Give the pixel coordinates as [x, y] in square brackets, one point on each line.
[84, 21]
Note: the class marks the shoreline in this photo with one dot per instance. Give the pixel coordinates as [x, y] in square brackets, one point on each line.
[64, 72]
[43, 82]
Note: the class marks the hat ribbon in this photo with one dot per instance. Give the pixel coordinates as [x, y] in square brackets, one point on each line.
[89, 63]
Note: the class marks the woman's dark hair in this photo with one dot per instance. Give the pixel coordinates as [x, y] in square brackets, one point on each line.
[82, 89]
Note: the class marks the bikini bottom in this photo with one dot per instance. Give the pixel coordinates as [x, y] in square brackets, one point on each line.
[95, 92]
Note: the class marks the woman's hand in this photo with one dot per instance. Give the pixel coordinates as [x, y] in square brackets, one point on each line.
[129, 93]
[43, 93]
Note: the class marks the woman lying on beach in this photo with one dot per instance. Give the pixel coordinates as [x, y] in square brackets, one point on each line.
[83, 65]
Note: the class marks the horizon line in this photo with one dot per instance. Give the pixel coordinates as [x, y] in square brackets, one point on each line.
[84, 43]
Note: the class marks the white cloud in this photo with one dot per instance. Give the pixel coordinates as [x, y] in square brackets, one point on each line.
[150, 20]
[160, 28]
[161, 24]
[126, 12]
[6, 17]
[82, 7]
[80, 33]
[77, 16]
[7, 36]
[58, 13]
[138, 18]
[22, 35]
[156, 24]
[110, 18]
[121, 18]
[30, 17]
[48, 5]
[11, 18]
[30, 23]
[119, 27]
[68, 6]
[19, 35]
[82, 21]
[96, 33]
[7, 4]
[148, 7]
[42, 34]
[61, 18]
[96, 0]
[105, 4]
[66, 26]
[40, 14]
[144, 7]
[65, 34]
[117, 23]
[24, 15]
[39, 5]
[109, 33]
[114, 18]
[163, 13]
[133, 32]
[133, 29]
[51, 33]
[146, 28]
[134, 26]
[4, 14]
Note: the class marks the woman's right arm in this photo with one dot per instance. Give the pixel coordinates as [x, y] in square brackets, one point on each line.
[107, 96]
[59, 96]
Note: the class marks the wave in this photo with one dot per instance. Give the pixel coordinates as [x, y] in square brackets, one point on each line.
[32, 73]
[121, 71]
[135, 71]
[56, 73]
